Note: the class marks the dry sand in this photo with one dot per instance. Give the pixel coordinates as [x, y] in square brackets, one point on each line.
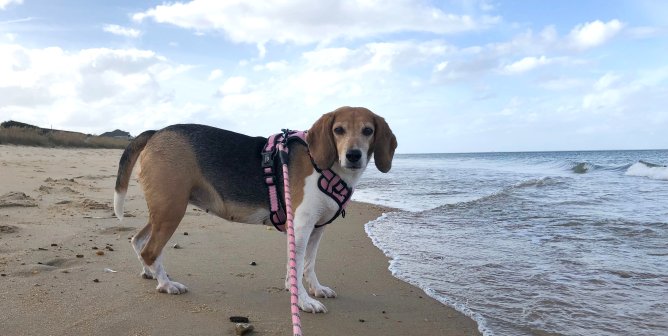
[57, 237]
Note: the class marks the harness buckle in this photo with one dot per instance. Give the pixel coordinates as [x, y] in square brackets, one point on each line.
[267, 159]
[286, 135]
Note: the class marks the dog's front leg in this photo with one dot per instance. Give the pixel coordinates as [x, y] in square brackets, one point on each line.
[303, 228]
[314, 286]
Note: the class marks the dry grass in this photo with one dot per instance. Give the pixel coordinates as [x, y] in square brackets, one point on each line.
[35, 137]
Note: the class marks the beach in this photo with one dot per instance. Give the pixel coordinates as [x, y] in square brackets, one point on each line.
[68, 269]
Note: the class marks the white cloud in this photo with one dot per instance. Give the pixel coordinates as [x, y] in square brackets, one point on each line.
[304, 21]
[526, 64]
[272, 66]
[121, 31]
[606, 82]
[233, 85]
[215, 74]
[644, 32]
[441, 66]
[561, 84]
[608, 94]
[593, 34]
[10, 37]
[606, 100]
[5, 3]
[90, 89]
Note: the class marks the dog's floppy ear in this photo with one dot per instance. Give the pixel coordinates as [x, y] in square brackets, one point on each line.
[384, 145]
[321, 141]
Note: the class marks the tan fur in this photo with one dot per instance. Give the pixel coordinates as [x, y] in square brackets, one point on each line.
[321, 142]
[300, 168]
[167, 182]
[384, 144]
[326, 146]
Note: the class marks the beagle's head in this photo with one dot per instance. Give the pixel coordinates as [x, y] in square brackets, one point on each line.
[349, 136]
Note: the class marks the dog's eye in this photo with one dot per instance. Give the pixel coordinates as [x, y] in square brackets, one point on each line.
[339, 130]
[367, 131]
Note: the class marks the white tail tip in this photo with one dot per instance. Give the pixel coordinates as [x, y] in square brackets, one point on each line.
[119, 201]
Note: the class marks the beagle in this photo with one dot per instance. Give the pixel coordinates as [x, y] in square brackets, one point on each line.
[221, 171]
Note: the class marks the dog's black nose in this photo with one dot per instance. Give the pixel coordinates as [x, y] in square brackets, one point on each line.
[354, 155]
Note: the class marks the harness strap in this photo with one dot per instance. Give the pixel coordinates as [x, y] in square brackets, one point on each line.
[333, 186]
[328, 182]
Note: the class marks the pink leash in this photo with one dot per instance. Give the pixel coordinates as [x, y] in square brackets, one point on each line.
[292, 255]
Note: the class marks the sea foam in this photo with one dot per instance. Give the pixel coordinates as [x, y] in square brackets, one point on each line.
[648, 170]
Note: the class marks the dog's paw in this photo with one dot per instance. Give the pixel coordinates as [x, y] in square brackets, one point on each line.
[310, 305]
[172, 287]
[322, 292]
[146, 274]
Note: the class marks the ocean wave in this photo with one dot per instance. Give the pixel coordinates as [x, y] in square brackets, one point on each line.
[372, 229]
[583, 167]
[588, 167]
[531, 183]
[649, 170]
[640, 168]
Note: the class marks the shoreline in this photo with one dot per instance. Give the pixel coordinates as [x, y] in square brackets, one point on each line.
[71, 189]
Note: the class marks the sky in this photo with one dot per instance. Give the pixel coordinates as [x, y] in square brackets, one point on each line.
[448, 76]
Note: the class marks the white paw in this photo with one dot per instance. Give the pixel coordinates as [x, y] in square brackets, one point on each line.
[322, 292]
[310, 305]
[172, 287]
[146, 274]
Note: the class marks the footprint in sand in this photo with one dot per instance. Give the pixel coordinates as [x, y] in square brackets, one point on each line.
[48, 266]
[90, 204]
[117, 229]
[45, 189]
[94, 177]
[69, 190]
[16, 199]
[8, 229]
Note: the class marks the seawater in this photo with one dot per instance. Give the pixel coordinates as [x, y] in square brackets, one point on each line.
[567, 243]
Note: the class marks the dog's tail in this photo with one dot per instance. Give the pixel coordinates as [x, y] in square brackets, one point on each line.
[125, 165]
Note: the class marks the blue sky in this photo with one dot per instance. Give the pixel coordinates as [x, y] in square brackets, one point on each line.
[449, 76]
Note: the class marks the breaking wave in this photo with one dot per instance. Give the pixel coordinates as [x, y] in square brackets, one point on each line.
[640, 168]
[649, 170]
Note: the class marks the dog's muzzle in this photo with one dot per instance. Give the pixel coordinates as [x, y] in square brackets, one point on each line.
[353, 157]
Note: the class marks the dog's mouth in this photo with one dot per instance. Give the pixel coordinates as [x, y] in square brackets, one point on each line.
[353, 167]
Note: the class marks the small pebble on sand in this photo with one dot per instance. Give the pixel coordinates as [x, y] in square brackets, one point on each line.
[239, 319]
[99, 253]
[243, 328]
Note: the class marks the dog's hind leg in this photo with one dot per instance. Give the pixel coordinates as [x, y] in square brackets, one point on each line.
[151, 254]
[163, 226]
[167, 206]
[138, 242]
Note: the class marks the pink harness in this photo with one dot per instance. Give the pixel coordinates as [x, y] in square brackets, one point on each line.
[329, 182]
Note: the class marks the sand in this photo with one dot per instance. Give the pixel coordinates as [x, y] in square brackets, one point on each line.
[67, 267]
